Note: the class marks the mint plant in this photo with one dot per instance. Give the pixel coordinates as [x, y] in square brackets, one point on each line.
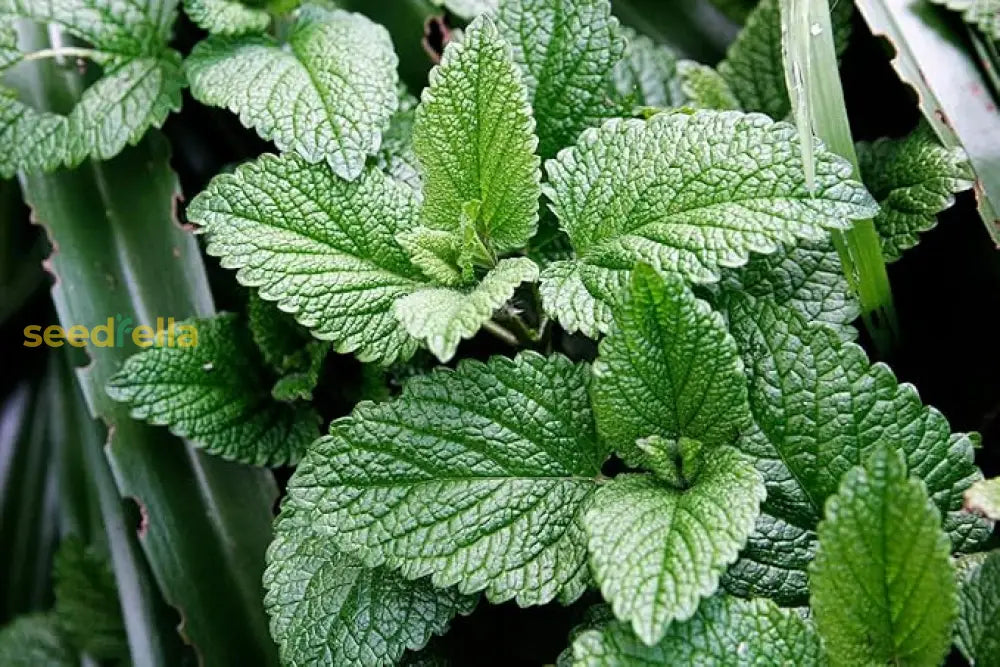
[567, 328]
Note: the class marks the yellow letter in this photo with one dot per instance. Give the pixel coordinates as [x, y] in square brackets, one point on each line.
[109, 334]
[142, 335]
[53, 336]
[188, 335]
[31, 337]
[77, 335]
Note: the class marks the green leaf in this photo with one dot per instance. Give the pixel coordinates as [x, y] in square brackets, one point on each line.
[287, 348]
[215, 393]
[87, 607]
[979, 611]
[983, 497]
[646, 76]
[656, 551]
[913, 179]
[882, 584]
[724, 631]
[396, 156]
[299, 382]
[437, 253]
[623, 195]
[324, 249]
[984, 14]
[327, 608]
[442, 316]
[327, 94]
[566, 50]
[704, 88]
[227, 17]
[30, 641]
[474, 137]
[476, 476]
[468, 9]
[668, 368]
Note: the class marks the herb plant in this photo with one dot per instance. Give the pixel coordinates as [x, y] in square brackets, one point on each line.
[570, 328]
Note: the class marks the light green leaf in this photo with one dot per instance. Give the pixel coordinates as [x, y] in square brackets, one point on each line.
[215, 393]
[468, 9]
[327, 94]
[300, 380]
[646, 76]
[624, 195]
[324, 249]
[913, 179]
[437, 253]
[474, 138]
[566, 50]
[724, 631]
[327, 608]
[979, 611]
[983, 497]
[396, 156]
[30, 641]
[87, 607]
[704, 88]
[227, 17]
[656, 551]
[984, 14]
[668, 368]
[882, 585]
[442, 316]
[476, 476]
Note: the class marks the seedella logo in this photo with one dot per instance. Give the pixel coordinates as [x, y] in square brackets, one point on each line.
[118, 331]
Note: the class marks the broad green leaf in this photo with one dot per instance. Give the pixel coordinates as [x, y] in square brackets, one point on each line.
[724, 631]
[215, 393]
[984, 14]
[327, 608]
[396, 156]
[668, 368]
[227, 17]
[476, 476]
[882, 584]
[30, 641]
[646, 76]
[624, 195]
[566, 50]
[913, 179]
[774, 563]
[327, 94]
[596, 617]
[442, 316]
[753, 67]
[438, 255]
[468, 9]
[979, 611]
[87, 607]
[324, 249]
[983, 497]
[474, 138]
[656, 551]
[704, 88]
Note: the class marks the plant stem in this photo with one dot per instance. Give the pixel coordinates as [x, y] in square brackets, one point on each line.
[64, 52]
[501, 333]
[818, 100]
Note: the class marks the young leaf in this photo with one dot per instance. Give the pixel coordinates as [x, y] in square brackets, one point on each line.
[327, 95]
[324, 249]
[704, 88]
[476, 476]
[624, 194]
[287, 348]
[227, 17]
[913, 179]
[669, 368]
[215, 393]
[979, 611]
[724, 631]
[646, 76]
[983, 497]
[566, 50]
[327, 608]
[882, 585]
[30, 641]
[656, 551]
[87, 607]
[302, 378]
[474, 138]
[443, 316]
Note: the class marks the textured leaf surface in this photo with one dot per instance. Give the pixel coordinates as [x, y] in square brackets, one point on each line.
[87, 607]
[468, 9]
[327, 608]
[979, 611]
[443, 316]
[474, 138]
[566, 50]
[327, 95]
[396, 156]
[983, 497]
[882, 585]
[913, 179]
[668, 368]
[287, 348]
[724, 631]
[704, 88]
[227, 17]
[647, 73]
[656, 551]
[30, 641]
[476, 476]
[322, 248]
[216, 394]
[686, 193]
[984, 14]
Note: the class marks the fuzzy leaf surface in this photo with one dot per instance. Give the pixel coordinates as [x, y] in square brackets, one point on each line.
[476, 476]
[474, 137]
[882, 585]
[686, 193]
[704, 88]
[327, 94]
[979, 611]
[215, 393]
[657, 551]
[227, 17]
